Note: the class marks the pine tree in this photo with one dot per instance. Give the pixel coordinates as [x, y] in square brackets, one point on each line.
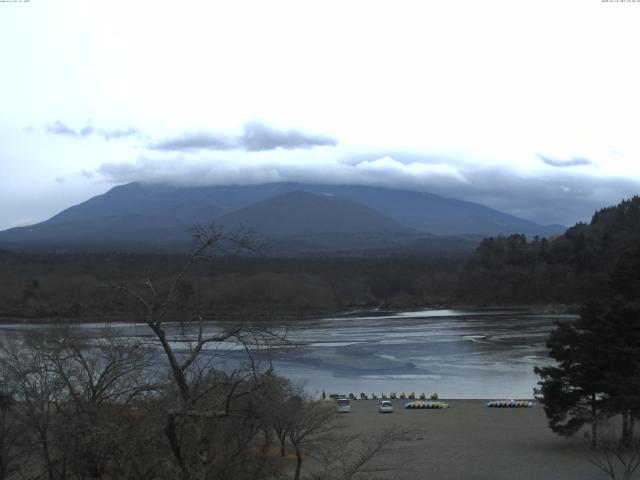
[572, 390]
[598, 359]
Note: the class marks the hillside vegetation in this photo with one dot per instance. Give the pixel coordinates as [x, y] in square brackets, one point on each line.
[569, 268]
[566, 269]
[39, 285]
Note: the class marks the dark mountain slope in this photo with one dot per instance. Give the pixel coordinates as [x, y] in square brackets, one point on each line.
[418, 210]
[303, 213]
[143, 216]
[129, 231]
[434, 214]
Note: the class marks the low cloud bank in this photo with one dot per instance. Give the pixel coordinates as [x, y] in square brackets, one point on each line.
[255, 137]
[384, 171]
[561, 197]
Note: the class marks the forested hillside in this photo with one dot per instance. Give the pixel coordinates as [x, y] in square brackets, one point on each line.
[570, 268]
[567, 269]
[62, 285]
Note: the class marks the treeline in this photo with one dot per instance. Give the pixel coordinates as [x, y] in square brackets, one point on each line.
[571, 268]
[82, 285]
[566, 269]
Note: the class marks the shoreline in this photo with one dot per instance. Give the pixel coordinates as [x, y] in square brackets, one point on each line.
[531, 309]
[471, 441]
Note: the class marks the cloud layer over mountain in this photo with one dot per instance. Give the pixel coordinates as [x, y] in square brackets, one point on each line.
[560, 196]
[552, 189]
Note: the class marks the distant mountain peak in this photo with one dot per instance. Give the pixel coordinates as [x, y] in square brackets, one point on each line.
[302, 213]
[157, 215]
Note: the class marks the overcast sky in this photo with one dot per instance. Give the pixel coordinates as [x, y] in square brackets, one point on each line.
[531, 107]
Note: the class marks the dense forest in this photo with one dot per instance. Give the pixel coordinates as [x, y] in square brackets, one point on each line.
[569, 268]
[566, 269]
[80, 286]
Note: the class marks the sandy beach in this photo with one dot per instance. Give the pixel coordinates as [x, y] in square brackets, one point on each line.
[470, 441]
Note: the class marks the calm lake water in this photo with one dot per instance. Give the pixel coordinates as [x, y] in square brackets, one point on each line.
[457, 353]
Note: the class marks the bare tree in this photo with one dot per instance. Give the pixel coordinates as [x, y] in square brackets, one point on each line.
[205, 393]
[617, 457]
[102, 375]
[349, 456]
[38, 391]
[10, 434]
[157, 304]
[279, 411]
[71, 390]
[309, 421]
[99, 368]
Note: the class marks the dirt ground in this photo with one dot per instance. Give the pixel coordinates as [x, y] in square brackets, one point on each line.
[470, 441]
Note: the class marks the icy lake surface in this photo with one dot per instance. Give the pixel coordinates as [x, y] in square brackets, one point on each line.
[456, 353]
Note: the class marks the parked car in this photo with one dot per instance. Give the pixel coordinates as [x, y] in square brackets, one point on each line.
[343, 405]
[385, 406]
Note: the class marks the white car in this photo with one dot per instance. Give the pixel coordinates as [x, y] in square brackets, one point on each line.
[385, 406]
[343, 405]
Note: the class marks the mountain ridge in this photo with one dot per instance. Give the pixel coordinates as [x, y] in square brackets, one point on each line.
[309, 213]
[158, 216]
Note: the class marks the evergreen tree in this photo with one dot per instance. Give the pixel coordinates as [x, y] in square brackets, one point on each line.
[618, 333]
[624, 281]
[573, 390]
[598, 359]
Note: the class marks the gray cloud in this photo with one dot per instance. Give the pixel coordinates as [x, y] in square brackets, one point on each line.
[259, 137]
[572, 162]
[59, 128]
[562, 197]
[120, 133]
[565, 197]
[86, 131]
[255, 137]
[197, 141]
[384, 171]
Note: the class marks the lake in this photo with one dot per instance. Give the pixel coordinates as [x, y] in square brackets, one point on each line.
[456, 353]
[471, 353]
